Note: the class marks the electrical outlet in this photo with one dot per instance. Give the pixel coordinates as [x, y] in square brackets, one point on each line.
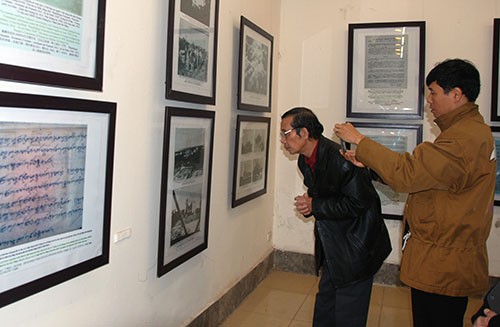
[122, 235]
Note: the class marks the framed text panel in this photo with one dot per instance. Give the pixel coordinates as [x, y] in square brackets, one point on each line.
[399, 138]
[57, 43]
[56, 171]
[386, 70]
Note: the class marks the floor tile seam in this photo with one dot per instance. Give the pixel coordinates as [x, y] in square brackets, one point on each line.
[268, 311]
[379, 315]
[394, 306]
[298, 310]
[270, 314]
[285, 290]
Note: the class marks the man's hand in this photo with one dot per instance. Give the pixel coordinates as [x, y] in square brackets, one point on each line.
[484, 321]
[303, 204]
[348, 133]
[350, 155]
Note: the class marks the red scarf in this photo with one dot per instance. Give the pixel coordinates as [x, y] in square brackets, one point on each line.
[312, 160]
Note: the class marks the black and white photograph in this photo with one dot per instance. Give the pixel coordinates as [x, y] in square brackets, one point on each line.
[255, 67]
[185, 186]
[399, 138]
[257, 169]
[251, 158]
[386, 70]
[192, 51]
[189, 154]
[197, 9]
[245, 173]
[186, 215]
[56, 168]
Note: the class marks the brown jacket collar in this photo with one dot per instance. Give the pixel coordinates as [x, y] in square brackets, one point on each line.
[467, 110]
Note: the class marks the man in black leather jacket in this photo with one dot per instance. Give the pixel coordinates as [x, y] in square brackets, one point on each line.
[351, 237]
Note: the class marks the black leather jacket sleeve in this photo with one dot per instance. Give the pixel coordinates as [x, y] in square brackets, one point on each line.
[339, 190]
[352, 199]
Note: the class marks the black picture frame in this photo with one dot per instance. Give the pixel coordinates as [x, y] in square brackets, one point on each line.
[386, 70]
[186, 181]
[57, 167]
[251, 158]
[495, 130]
[255, 67]
[192, 51]
[495, 85]
[77, 62]
[399, 138]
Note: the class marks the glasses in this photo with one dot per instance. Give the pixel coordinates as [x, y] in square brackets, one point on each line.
[285, 133]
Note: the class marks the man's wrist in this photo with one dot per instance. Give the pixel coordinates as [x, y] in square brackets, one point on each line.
[361, 138]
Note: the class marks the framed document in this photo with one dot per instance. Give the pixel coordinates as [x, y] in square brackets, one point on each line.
[255, 67]
[58, 43]
[192, 50]
[399, 138]
[495, 85]
[386, 70]
[56, 171]
[185, 186]
[250, 158]
[496, 135]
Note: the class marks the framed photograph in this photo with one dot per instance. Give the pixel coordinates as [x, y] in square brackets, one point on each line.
[386, 70]
[255, 68]
[495, 85]
[57, 43]
[192, 50]
[496, 135]
[399, 138]
[56, 172]
[250, 158]
[185, 186]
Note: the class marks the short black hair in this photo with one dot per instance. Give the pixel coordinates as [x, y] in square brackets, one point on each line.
[304, 117]
[459, 73]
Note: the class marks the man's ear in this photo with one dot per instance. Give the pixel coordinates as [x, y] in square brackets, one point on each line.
[304, 132]
[457, 94]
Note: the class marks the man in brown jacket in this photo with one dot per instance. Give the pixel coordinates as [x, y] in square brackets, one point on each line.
[451, 186]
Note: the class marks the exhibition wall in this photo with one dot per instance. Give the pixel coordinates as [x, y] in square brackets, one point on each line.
[313, 73]
[310, 69]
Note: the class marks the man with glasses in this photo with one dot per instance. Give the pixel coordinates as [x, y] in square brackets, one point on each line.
[351, 238]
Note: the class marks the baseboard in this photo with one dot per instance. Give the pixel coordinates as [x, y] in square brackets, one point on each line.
[283, 261]
[223, 307]
[388, 274]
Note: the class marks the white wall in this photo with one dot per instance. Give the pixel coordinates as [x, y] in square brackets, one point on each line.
[313, 70]
[126, 292]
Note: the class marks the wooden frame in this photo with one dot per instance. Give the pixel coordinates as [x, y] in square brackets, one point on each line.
[255, 69]
[56, 173]
[495, 85]
[192, 51]
[399, 138]
[386, 70]
[33, 50]
[185, 186]
[251, 157]
[495, 130]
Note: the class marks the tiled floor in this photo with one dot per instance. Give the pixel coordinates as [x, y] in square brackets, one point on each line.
[287, 299]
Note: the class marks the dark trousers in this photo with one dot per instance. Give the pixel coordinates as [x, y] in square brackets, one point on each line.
[341, 307]
[433, 310]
